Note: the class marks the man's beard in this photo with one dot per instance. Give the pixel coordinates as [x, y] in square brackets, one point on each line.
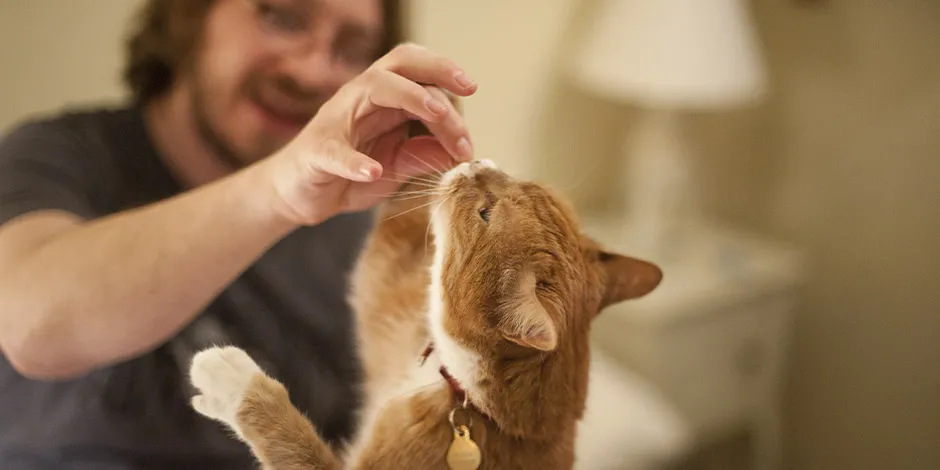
[226, 154]
[225, 150]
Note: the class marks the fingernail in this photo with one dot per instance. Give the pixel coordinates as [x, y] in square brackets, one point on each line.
[463, 80]
[369, 172]
[436, 107]
[464, 148]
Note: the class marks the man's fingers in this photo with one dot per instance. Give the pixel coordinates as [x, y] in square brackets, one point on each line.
[422, 155]
[390, 90]
[346, 162]
[451, 129]
[430, 104]
[423, 66]
[417, 156]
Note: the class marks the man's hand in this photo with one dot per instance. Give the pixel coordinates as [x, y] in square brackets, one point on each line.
[355, 151]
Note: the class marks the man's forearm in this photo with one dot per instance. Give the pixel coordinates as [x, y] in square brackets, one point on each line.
[113, 288]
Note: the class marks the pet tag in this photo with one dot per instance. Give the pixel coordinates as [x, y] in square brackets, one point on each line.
[463, 453]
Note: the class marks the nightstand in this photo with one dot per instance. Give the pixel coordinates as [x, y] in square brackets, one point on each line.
[713, 337]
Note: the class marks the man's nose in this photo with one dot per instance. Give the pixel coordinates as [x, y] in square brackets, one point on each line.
[314, 67]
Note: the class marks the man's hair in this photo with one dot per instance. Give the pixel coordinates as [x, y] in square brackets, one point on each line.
[166, 34]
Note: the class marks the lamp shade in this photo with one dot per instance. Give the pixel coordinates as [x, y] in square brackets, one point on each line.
[672, 53]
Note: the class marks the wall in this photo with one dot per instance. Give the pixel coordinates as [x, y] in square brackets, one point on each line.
[857, 119]
[55, 52]
[509, 48]
[844, 159]
[526, 115]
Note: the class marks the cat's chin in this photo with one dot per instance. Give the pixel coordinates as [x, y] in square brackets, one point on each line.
[460, 362]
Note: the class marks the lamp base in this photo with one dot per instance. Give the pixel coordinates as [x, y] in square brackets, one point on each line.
[657, 188]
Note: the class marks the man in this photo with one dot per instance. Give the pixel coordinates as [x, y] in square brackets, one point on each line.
[226, 204]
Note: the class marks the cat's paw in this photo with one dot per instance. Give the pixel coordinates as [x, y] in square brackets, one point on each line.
[222, 375]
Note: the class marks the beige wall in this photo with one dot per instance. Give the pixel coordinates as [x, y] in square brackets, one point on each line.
[857, 133]
[55, 51]
[844, 160]
[525, 116]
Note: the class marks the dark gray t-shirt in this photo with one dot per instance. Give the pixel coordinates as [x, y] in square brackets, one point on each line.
[288, 310]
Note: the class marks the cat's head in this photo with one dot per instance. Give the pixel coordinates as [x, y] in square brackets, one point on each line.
[513, 276]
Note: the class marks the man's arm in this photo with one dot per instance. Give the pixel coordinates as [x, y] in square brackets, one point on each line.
[80, 294]
[76, 295]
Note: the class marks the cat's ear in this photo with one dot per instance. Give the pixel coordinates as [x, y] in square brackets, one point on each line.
[627, 278]
[527, 323]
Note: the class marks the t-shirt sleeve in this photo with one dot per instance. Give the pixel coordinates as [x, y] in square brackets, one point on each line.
[46, 165]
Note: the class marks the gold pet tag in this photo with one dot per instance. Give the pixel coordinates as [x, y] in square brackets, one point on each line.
[463, 453]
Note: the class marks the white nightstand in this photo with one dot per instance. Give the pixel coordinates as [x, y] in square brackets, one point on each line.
[713, 337]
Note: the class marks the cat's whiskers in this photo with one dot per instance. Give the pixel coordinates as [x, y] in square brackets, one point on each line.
[435, 189]
[424, 174]
[419, 177]
[422, 192]
[413, 196]
[409, 210]
[437, 171]
[567, 188]
[416, 183]
[403, 196]
[427, 232]
[394, 195]
[449, 193]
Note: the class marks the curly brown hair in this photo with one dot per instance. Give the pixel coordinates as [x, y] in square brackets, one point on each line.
[166, 31]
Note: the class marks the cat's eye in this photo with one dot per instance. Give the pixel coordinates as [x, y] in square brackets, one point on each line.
[487, 207]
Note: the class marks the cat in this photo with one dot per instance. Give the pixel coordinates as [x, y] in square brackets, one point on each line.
[474, 296]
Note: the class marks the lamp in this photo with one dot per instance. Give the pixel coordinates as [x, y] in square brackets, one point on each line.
[667, 56]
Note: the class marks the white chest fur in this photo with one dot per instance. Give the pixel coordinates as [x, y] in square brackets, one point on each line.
[461, 362]
[416, 379]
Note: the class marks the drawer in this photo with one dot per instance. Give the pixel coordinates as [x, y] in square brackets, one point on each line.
[714, 366]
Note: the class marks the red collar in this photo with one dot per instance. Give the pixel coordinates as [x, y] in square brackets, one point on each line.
[460, 395]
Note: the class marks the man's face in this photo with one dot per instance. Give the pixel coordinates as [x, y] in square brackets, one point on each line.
[264, 67]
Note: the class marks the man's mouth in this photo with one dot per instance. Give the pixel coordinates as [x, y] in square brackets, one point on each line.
[283, 114]
[287, 119]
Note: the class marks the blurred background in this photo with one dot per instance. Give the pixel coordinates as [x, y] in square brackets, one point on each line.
[799, 323]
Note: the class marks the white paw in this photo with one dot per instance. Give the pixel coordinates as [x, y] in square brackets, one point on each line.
[222, 375]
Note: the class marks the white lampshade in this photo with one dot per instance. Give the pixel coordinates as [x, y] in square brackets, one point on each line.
[672, 53]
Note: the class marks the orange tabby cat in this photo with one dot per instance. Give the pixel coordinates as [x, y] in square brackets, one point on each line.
[495, 276]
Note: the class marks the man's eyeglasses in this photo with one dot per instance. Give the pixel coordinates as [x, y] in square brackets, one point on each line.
[290, 27]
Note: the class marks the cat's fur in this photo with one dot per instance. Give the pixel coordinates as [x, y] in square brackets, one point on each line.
[496, 274]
